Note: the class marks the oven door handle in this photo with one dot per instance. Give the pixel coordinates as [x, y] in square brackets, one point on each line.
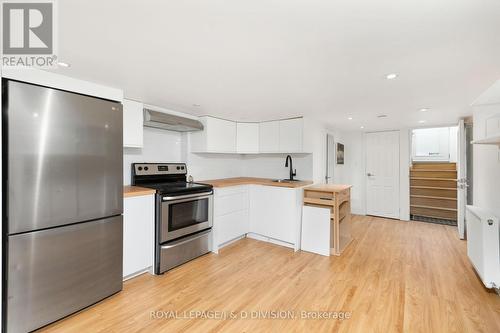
[184, 241]
[202, 194]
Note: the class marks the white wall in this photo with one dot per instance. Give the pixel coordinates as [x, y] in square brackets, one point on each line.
[486, 160]
[159, 146]
[353, 171]
[205, 166]
[273, 166]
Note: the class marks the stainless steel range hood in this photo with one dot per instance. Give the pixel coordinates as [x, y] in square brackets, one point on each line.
[170, 122]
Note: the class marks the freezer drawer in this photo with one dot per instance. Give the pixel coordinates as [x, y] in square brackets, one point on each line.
[64, 157]
[56, 272]
[177, 252]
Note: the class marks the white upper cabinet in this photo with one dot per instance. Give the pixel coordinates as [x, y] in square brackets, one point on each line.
[247, 138]
[290, 135]
[269, 137]
[218, 136]
[224, 136]
[132, 124]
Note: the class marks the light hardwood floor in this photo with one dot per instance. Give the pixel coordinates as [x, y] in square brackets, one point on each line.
[395, 277]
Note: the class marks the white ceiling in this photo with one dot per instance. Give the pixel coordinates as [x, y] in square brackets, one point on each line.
[267, 59]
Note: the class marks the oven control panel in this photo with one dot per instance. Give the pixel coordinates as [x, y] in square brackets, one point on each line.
[148, 169]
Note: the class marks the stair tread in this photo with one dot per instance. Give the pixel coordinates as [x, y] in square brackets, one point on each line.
[433, 170]
[426, 178]
[431, 197]
[433, 188]
[437, 208]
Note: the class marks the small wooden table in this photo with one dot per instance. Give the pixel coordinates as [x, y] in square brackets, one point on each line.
[337, 198]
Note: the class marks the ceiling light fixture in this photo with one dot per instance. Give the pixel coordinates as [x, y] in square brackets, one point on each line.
[391, 76]
[421, 121]
[63, 64]
[362, 127]
[349, 118]
[424, 109]
[196, 105]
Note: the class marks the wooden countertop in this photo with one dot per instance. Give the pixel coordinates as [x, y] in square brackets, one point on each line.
[135, 191]
[226, 182]
[328, 187]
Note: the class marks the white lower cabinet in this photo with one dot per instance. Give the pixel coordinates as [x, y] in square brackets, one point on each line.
[138, 234]
[266, 213]
[275, 212]
[230, 214]
[232, 226]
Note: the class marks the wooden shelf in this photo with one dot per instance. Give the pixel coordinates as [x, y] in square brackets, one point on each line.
[492, 140]
[316, 201]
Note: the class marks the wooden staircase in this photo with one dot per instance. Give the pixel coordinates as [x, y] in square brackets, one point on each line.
[433, 190]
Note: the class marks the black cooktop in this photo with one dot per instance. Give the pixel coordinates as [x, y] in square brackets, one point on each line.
[174, 188]
[166, 178]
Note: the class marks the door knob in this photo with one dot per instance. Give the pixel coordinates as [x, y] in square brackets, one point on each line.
[370, 174]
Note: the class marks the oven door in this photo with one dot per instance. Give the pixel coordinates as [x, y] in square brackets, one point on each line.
[184, 215]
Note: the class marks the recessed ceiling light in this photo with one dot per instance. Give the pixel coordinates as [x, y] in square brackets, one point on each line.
[63, 64]
[349, 118]
[421, 121]
[382, 116]
[424, 110]
[362, 127]
[391, 76]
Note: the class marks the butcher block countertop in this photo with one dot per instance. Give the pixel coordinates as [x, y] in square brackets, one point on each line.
[226, 182]
[136, 191]
[328, 188]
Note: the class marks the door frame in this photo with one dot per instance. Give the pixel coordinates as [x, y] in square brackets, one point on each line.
[398, 173]
[330, 178]
[461, 178]
[410, 156]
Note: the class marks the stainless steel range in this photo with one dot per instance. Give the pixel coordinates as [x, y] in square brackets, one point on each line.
[183, 213]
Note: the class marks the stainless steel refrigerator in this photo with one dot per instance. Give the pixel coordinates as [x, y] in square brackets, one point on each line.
[62, 203]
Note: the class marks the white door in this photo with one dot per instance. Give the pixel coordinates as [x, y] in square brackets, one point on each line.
[382, 173]
[330, 158]
[462, 179]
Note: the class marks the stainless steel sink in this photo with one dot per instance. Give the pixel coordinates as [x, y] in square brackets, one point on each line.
[285, 180]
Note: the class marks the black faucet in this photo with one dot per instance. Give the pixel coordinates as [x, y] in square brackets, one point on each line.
[292, 172]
